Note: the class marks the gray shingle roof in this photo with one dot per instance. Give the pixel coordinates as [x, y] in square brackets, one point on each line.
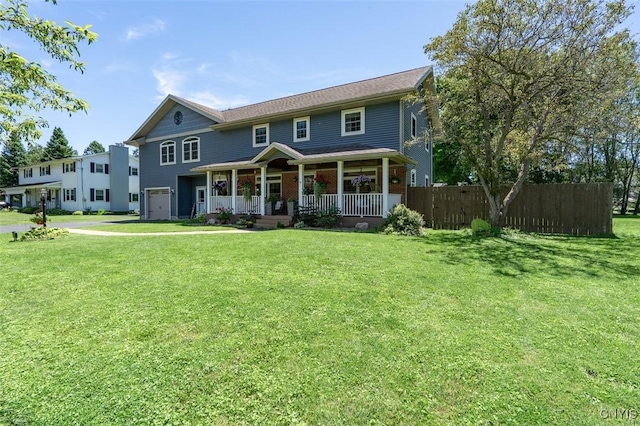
[401, 82]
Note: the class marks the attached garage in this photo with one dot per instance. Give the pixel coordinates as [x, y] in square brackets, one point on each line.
[159, 204]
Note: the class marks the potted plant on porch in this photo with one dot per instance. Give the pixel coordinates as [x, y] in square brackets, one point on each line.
[272, 199]
[291, 206]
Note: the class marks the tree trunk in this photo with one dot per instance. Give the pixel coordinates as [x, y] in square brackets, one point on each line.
[636, 210]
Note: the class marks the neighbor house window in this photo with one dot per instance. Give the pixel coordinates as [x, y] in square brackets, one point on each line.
[261, 135]
[426, 180]
[45, 170]
[167, 153]
[133, 171]
[413, 177]
[99, 168]
[69, 167]
[414, 126]
[353, 121]
[98, 194]
[70, 194]
[190, 150]
[133, 197]
[27, 173]
[301, 129]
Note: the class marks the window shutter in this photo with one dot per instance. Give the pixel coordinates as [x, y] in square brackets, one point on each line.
[106, 169]
[63, 164]
[93, 168]
[106, 195]
[92, 193]
[129, 170]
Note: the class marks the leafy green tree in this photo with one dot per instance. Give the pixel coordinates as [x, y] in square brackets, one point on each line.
[521, 76]
[26, 87]
[57, 147]
[35, 153]
[13, 155]
[94, 147]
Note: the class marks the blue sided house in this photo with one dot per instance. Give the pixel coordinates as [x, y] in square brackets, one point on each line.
[355, 146]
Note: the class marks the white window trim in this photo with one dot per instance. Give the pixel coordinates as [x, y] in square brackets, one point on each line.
[413, 126]
[95, 195]
[253, 134]
[343, 114]
[167, 144]
[427, 181]
[189, 141]
[414, 178]
[295, 129]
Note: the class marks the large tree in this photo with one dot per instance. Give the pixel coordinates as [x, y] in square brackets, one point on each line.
[57, 147]
[94, 147]
[13, 156]
[25, 87]
[521, 76]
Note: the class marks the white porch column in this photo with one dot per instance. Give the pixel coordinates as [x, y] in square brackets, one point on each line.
[234, 189]
[263, 188]
[385, 186]
[207, 194]
[340, 183]
[300, 183]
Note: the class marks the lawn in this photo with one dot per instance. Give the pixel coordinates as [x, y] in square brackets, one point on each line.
[12, 217]
[312, 327]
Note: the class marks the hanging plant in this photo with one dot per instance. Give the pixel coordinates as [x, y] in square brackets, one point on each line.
[246, 186]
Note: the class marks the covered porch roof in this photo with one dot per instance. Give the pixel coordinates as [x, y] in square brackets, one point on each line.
[19, 189]
[295, 157]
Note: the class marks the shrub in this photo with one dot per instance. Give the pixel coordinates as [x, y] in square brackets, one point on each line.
[42, 233]
[57, 212]
[299, 225]
[404, 221]
[77, 213]
[101, 212]
[241, 222]
[328, 218]
[481, 227]
[200, 219]
[28, 210]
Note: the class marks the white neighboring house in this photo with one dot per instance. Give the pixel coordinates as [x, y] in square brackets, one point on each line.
[108, 180]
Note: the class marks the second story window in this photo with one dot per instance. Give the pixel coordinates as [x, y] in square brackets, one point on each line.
[45, 170]
[99, 168]
[68, 167]
[301, 129]
[414, 126]
[167, 153]
[352, 121]
[190, 150]
[27, 173]
[261, 135]
[133, 171]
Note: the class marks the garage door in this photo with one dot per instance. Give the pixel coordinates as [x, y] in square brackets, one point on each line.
[159, 204]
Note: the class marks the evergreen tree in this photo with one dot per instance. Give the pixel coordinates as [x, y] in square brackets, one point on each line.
[57, 147]
[13, 155]
[94, 147]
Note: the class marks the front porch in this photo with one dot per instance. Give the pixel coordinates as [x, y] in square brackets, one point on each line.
[281, 173]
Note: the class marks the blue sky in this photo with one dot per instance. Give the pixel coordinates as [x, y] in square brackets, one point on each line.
[225, 54]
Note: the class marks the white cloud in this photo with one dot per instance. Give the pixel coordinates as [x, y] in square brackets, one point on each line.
[134, 33]
[170, 81]
[214, 101]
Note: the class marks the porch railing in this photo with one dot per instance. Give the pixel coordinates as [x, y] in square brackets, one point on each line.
[242, 206]
[352, 204]
[326, 201]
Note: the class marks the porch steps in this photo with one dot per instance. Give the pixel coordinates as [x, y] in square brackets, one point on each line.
[271, 222]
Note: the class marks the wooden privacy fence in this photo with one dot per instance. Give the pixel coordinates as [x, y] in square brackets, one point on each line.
[574, 209]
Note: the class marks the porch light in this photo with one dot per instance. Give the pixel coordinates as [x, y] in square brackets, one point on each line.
[43, 199]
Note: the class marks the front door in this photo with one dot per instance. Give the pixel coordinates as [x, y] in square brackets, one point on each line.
[201, 200]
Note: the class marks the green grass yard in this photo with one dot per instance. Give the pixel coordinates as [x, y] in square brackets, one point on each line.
[312, 327]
